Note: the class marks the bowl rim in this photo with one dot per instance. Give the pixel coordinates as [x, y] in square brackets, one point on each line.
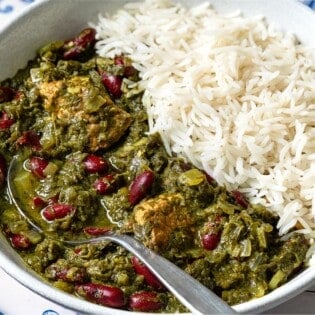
[9, 258]
[32, 281]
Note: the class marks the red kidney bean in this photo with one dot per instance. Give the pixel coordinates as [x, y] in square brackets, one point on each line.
[96, 231]
[3, 170]
[30, 138]
[37, 166]
[148, 276]
[140, 187]
[105, 185]
[240, 198]
[20, 241]
[210, 241]
[112, 83]
[38, 202]
[145, 301]
[86, 37]
[73, 49]
[128, 70]
[95, 164]
[6, 94]
[73, 53]
[57, 211]
[102, 294]
[5, 121]
[53, 199]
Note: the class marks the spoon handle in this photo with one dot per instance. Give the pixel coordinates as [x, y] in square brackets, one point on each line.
[191, 293]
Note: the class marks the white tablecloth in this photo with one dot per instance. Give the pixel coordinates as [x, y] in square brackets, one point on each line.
[17, 300]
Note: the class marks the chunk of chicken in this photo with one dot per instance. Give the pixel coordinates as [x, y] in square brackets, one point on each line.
[77, 98]
[156, 220]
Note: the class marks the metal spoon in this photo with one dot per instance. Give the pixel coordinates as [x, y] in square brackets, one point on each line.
[190, 292]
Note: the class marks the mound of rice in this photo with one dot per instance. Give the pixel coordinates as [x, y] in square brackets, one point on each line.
[231, 94]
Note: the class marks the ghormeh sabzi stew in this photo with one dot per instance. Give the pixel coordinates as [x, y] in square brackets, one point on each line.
[90, 165]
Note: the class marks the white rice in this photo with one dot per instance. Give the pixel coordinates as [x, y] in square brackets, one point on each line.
[231, 94]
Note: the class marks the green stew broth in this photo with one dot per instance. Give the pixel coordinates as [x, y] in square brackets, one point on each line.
[90, 165]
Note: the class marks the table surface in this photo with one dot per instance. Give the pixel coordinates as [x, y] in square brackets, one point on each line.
[31, 303]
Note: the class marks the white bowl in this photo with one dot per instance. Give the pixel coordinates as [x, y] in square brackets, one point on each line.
[48, 20]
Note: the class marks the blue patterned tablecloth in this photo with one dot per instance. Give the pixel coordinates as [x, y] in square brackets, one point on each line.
[310, 3]
[30, 303]
[8, 8]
